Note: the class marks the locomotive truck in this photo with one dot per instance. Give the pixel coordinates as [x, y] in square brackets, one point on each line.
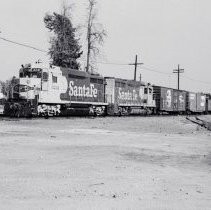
[47, 90]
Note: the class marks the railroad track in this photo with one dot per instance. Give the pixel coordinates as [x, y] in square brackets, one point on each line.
[201, 122]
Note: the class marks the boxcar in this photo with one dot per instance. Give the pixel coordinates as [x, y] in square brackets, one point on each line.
[169, 100]
[191, 102]
[179, 101]
[163, 99]
[208, 103]
[209, 106]
[200, 102]
[196, 102]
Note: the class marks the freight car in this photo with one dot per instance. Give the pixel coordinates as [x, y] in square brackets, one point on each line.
[196, 103]
[169, 100]
[208, 103]
[172, 101]
[54, 91]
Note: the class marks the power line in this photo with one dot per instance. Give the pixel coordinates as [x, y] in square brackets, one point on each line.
[106, 63]
[153, 70]
[113, 63]
[195, 80]
[23, 45]
[41, 50]
[161, 72]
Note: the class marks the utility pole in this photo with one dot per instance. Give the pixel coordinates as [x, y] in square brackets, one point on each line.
[88, 42]
[178, 72]
[135, 64]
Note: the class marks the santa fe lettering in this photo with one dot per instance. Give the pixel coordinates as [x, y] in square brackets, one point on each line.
[130, 96]
[82, 91]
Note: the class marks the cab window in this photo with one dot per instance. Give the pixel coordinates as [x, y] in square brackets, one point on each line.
[145, 91]
[54, 79]
[45, 76]
[21, 75]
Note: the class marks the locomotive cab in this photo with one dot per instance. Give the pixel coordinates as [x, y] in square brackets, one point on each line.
[29, 85]
[148, 96]
[46, 83]
[38, 91]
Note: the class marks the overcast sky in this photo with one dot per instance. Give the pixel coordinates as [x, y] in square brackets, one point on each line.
[164, 33]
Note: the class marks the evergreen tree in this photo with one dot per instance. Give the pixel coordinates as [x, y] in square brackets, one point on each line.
[65, 49]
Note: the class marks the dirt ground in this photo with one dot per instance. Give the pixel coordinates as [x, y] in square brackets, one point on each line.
[104, 163]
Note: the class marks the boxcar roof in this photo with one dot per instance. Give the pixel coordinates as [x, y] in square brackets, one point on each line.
[169, 88]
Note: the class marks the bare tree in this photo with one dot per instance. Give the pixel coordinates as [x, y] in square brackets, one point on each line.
[66, 9]
[95, 35]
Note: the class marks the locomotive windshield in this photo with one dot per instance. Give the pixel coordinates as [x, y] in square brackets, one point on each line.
[30, 72]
